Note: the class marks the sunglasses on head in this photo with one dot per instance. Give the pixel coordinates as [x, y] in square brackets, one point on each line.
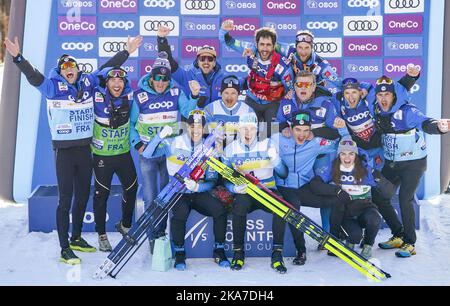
[206, 58]
[67, 65]
[233, 81]
[385, 81]
[117, 73]
[350, 81]
[306, 85]
[348, 143]
[162, 78]
[304, 38]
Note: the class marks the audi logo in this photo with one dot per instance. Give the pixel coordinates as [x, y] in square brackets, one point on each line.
[399, 4]
[115, 46]
[153, 25]
[200, 5]
[363, 25]
[85, 67]
[325, 47]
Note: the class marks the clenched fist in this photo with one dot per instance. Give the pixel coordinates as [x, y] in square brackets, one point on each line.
[228, 25]
[195, 87]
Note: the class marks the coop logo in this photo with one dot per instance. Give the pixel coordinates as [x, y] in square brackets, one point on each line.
[118, 6]
[411, 46]
[415, 88]
[77, 46]
[151, 24]
[363, 25]
[363, 47]
[281, 7]
[122, 25]
[403, 24]
[200, 7]
[83, 26]
[404, 6]
[109, 46]
[325, 25]
[329, 47]
[363, 3]
[197, 232]
[359, 116]
[166, 4]
[159, 105]
[236, 68]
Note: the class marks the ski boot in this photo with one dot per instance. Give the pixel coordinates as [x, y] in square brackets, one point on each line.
[406, 250]
[219, 256]
[300, 259]
[79, 244]
[393, 243]
[122, 229]
[69, 257]
[103, 243]
[238, 260]
[366, 252]
[277, 262]
[180, 259]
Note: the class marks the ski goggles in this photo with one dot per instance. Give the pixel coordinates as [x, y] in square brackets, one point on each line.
[304, 117]
[304, 38]
[67, 65]
[384, 80]
[350, 83]
[117, 73]
[196, 116]
[161, 78]
[306, 85]
[206, 58]
[231, 80]
[348, 142]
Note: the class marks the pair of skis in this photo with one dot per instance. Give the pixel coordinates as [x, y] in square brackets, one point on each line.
[193, 168]
[300, 221]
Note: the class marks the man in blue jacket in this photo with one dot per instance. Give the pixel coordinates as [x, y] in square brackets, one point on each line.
[402, 126]
[70, 105]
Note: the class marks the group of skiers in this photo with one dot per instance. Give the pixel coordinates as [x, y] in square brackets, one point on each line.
[343, 146]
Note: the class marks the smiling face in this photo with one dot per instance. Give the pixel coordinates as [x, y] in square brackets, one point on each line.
[352, 96]
[305, 87]
[247, 133]
[385, 100]
[161, 85]
[70, 74]
[265, 48]
[207, 63]
[195, 132]
[230, 97]
[301, 133]
[347, 159]
[115, 86]
[304, 51]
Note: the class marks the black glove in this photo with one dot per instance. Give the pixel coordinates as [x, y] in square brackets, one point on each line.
[343, 196]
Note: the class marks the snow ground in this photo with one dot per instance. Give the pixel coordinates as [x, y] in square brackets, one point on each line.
[32, 259]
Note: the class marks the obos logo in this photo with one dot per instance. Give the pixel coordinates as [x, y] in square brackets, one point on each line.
[363, 3]
[404, 6]
[240, 7]
[353, 68]
[149, 25]
[108, 46]
[322, 25]
[118, 6]
[77, 46]
[200, 7]
[328, 47]
[84, 26]
[315, 4]
[200, 27]
[74, 7]
[363, 25]
[363, 69]
[283, 27]
[121, 25]
[167, 4]
[406, 46]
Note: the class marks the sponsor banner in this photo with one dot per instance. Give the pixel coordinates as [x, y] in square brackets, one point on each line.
[281, 7]
[403, 46]
[230, 53]
[396, 67]
[118, 6]
[337, 65]
[145, 66]
[78, 47]
[324, 26]
[403, 24]
[241, 7]
[199, 27]
[87, 65]
[322, 7]
[163, 7]
[131, 67]
[149, 47]
[243, 26]
[200, 7]
[363, 25]
[363, 47]
[125, 25]
[76, 8]
[328, 47]
[288, 26]
[363, 68]
[362, 5]
[189, 47]
[84, 26]
[404, 7]
[109, 46]
[237, 67]
[149, 25]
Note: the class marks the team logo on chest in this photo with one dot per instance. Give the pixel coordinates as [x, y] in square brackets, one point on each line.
[62, 86]
[99, 97]
[143, 97]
